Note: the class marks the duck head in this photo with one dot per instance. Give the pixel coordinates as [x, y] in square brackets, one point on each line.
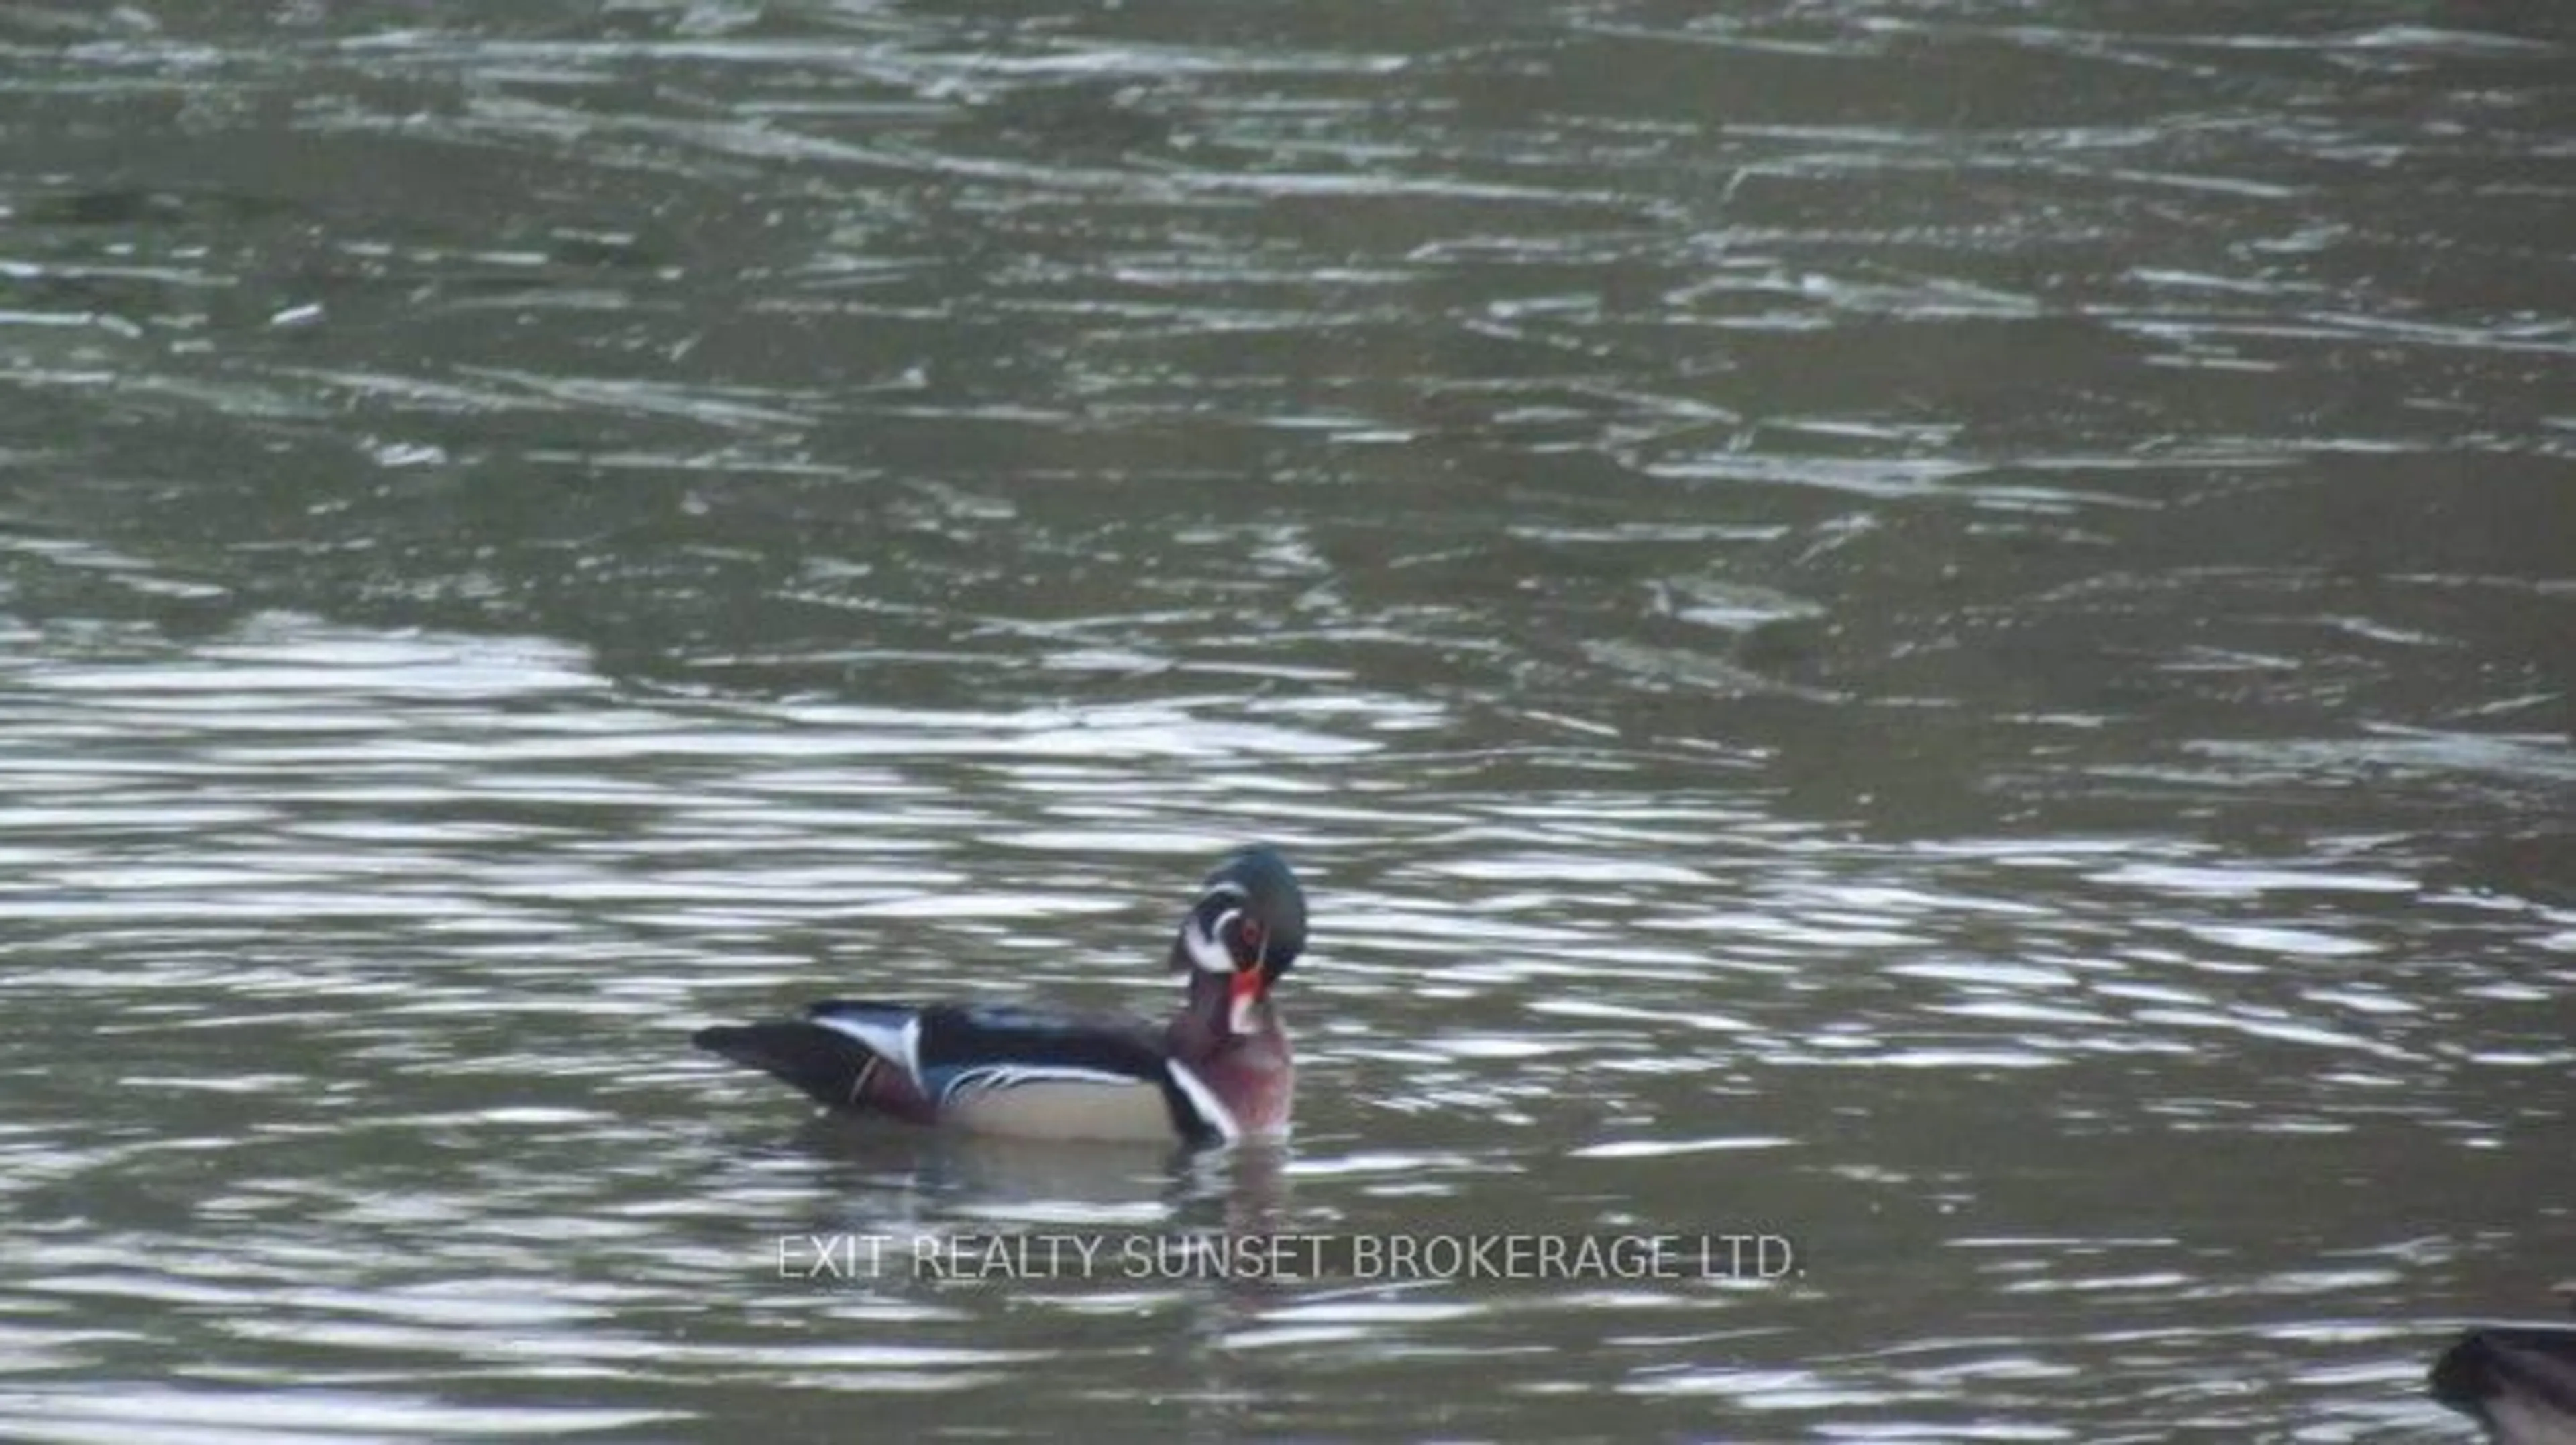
[1245, 930]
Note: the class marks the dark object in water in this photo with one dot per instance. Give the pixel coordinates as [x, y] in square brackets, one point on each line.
[2519, 1381]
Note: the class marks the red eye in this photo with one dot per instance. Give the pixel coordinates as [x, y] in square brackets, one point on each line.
[1251, 935]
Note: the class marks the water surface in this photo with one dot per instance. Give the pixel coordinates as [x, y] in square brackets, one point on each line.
[1940, 630]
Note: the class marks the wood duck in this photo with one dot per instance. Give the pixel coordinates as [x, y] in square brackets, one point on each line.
[1219, 1072]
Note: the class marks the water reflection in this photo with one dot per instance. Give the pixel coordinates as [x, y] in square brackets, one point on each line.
[872, 1177]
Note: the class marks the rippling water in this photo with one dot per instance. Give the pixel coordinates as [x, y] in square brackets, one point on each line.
[1939, 630]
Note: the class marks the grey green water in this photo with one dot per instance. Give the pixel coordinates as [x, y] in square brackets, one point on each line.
[1943, 629]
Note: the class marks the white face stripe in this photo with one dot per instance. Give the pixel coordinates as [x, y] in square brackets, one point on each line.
[1207, 950]
[1202, 1098]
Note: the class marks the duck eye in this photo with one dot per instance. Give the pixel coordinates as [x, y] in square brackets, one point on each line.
[1250, 929]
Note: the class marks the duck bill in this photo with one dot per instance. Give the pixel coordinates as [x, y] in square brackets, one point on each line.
[1243, 996]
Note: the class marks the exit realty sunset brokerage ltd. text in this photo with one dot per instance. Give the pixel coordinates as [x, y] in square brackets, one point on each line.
[1289, 1257]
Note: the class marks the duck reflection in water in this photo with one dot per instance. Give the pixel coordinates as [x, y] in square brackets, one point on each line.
[897, 1186]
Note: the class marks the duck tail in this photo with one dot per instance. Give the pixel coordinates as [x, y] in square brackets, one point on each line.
[830, 1068]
